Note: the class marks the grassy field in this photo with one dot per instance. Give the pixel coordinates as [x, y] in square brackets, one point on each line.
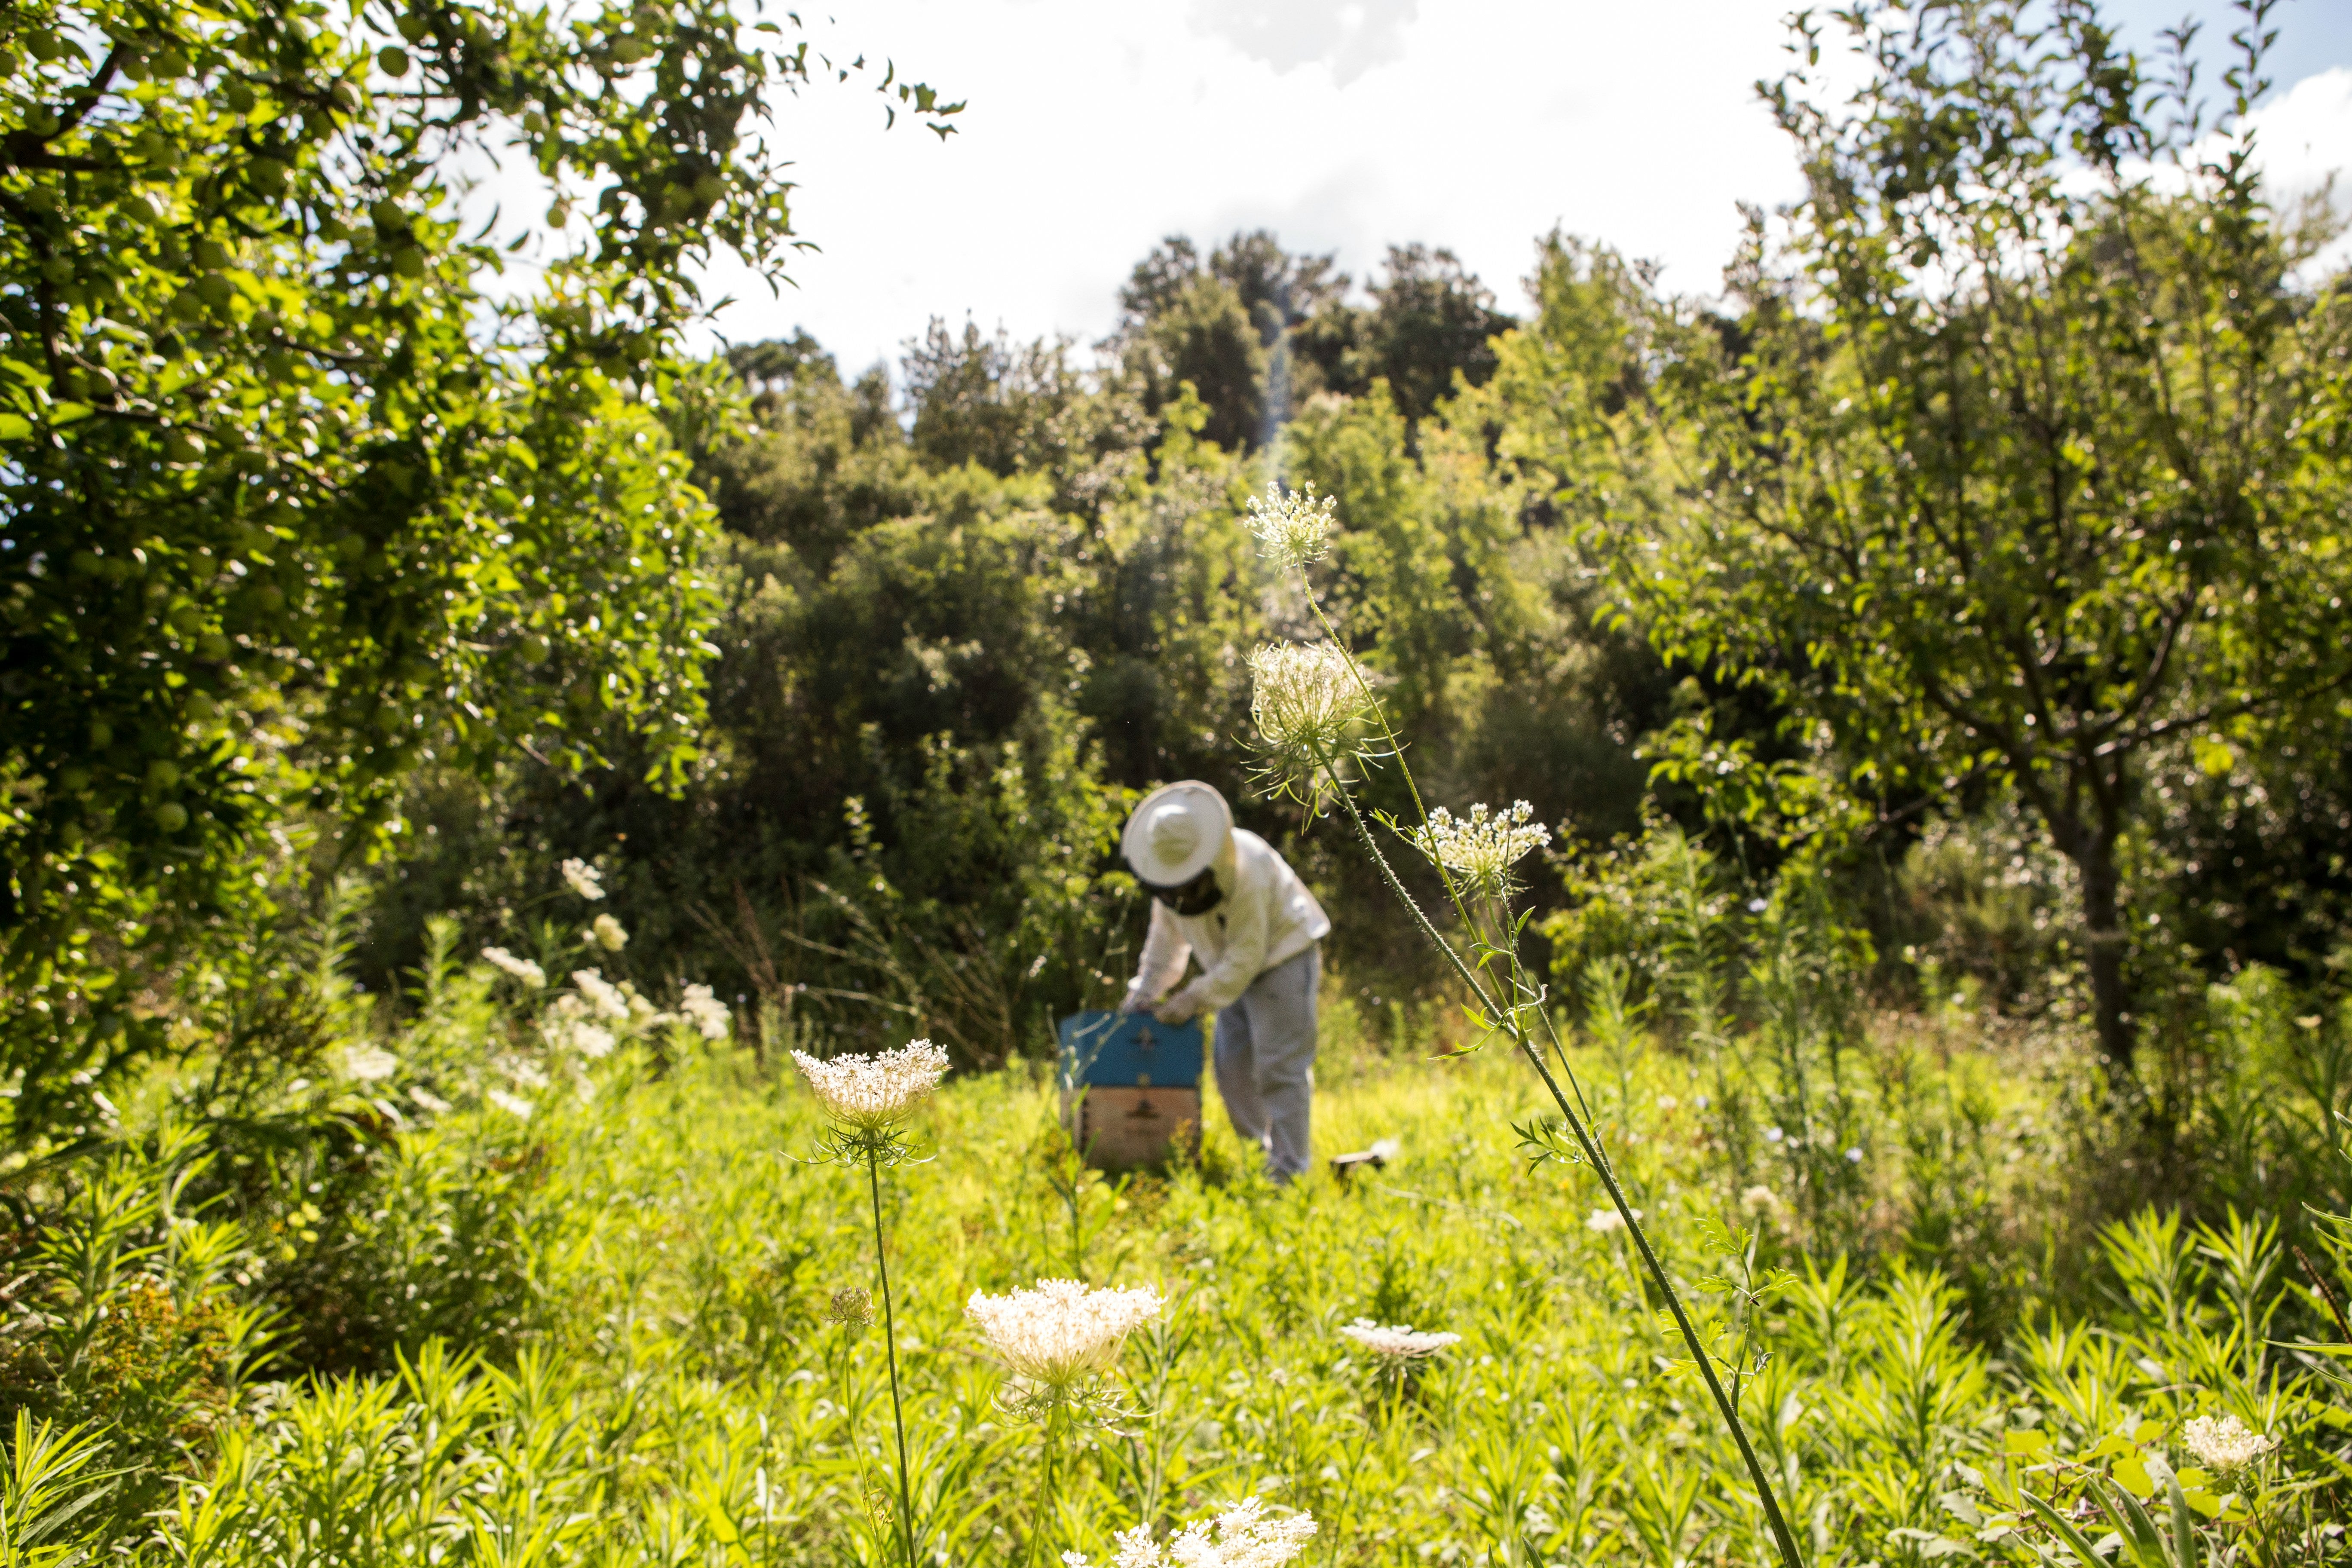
[614, 1341]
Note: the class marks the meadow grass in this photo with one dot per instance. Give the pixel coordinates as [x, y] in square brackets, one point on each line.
[670, 1385]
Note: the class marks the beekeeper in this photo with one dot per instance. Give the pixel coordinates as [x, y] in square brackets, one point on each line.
[1221, 894]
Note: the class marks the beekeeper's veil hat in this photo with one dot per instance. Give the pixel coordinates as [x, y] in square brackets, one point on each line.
[1175, 834]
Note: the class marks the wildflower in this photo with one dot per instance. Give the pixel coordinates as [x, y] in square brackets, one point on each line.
[1308, 702]
[426, 1100]
[1292, 529]
[526, 1075]
[1600, 1222]
[706, 1012]
[869, 1095]
[514, 1105]
[1398, 1343]
[1060, 1332]
[609, 934]
[1762, 1201]
[585, 879]
[369, 1064]
[602, 995]
[1483, 847]
[521, 969]
[1853, 1156]
[2225, 1444]
[1244, 1538]
[852, 1306]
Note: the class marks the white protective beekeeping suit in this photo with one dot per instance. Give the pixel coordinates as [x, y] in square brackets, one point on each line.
[1222, 895]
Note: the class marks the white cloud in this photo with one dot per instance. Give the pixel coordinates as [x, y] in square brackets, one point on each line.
[1350, 38]
[1094, 131]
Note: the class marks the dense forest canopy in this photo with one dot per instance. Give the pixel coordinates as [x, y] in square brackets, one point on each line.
[1984, 526]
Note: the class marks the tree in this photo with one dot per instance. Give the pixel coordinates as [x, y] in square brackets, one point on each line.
[295, 495]
[2021, 457]
[1431, 320]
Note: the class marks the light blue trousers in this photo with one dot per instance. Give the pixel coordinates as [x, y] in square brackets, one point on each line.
[1265, 1061]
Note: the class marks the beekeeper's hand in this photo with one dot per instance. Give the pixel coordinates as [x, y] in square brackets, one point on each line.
[1135, 1001]
[1178, 1007]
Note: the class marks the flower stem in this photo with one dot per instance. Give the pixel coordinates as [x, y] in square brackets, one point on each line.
[1046, 1511]
[1510, 1022]
[891, 1347]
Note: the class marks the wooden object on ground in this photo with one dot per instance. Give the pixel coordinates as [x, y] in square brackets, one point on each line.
[1127, 1128]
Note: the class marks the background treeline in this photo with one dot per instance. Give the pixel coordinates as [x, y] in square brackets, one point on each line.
[971, 610]
[968, 620]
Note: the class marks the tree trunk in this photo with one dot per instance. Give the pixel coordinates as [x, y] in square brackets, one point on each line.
[2102, 935]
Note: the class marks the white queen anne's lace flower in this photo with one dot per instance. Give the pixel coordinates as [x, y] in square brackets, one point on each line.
[369, 1064]
[867, 1095]
[1482, 847]
[2225, 1443]
[609, 934]
[585, 880]
[1398, 1342]
[1292, 529]
[1061, 1331]
[1241, 1537]
[521, 969]
[706, 1012]
[602, 995]
[1309, 705]
[1600, 1222]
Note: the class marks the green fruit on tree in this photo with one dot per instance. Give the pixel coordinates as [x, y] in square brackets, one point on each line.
[163, 773]
[393, 60]
[212, 645]
[73, 780]
[101, 734]
[182, 445]
[170, 816]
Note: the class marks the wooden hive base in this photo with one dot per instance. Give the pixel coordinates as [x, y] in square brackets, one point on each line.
[1119, 1128]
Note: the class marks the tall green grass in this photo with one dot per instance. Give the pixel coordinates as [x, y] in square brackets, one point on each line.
[649, 1369]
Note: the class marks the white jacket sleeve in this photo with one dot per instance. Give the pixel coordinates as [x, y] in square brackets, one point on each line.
[1165, 952]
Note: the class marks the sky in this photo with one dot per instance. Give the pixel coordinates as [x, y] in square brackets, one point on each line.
[1094, 130]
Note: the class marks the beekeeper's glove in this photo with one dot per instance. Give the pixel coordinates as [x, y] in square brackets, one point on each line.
[1178, 1007]
[1135, 1001]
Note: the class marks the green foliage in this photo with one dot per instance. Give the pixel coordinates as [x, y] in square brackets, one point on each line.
[677, 1384]
[2010, 463]
[299, 496]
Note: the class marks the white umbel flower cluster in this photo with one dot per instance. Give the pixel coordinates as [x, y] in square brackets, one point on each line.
[867, 1095]
[1241, 1537]
[602, 995]
[569, 1026]
[609, 934]
[585, 880]
[706, 1012]
[369, 1064]
[2225, 1443]
[1307, 701]
[1292, 529]
[521, 969]
[1483, 847]
[1398, 1342]
[1061, 1331]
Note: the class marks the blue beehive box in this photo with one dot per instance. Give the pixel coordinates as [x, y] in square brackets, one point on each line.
[1110, 1050]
